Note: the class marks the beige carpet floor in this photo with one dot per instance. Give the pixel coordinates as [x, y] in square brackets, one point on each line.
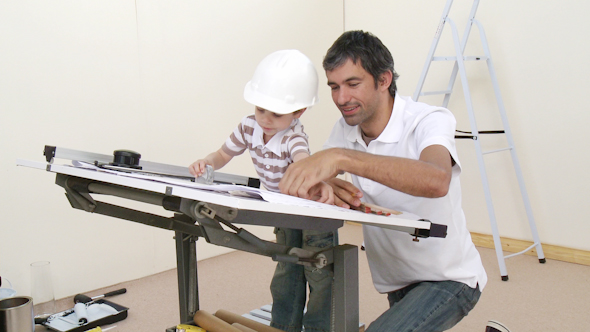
[538, 297]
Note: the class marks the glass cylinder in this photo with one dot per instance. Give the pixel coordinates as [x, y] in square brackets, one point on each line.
[42, 289]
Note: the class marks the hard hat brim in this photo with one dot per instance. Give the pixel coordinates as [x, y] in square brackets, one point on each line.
[272, 104]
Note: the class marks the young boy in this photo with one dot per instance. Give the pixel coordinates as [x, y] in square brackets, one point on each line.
[283, 87]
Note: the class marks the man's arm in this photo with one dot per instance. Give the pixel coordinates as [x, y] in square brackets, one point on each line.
[429, 176]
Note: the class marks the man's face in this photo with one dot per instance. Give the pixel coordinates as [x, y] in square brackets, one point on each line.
[353, 92]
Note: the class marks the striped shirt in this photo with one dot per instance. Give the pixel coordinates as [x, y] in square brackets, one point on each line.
[271, 159]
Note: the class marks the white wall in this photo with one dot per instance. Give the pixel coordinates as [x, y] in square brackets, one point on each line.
[166, 78]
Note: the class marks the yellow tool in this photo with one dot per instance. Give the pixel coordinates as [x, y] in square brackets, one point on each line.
[98, 329]
[188, 328]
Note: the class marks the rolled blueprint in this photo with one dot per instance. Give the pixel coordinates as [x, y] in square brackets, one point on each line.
[212, 323]
[231, 318]
[242, 327]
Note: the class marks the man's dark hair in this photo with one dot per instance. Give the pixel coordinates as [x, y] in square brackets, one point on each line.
[364, 46]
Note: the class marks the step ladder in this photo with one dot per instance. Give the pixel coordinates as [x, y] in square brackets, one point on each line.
[459, 60]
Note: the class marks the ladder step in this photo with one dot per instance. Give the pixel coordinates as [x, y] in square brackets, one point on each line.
[524, 251]
[498, 150]
[261, 314]
[257, 319]
[465, 58]
[430, 93]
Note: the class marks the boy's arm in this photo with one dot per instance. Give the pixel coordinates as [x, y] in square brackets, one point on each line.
[217, 159]
[299, 156]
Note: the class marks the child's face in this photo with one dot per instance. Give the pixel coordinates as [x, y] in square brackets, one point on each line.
[273, 123]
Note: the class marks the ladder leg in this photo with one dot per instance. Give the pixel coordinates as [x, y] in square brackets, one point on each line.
[491, 213]
[510, 140]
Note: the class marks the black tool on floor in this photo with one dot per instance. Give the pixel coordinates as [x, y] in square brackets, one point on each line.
[81, 298]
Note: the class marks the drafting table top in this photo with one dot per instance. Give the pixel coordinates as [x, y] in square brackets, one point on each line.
[278, 203]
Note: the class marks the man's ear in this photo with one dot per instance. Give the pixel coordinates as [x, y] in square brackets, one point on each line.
[385, 80]
[297, 114]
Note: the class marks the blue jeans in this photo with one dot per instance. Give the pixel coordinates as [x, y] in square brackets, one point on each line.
[426, 306]
[288, 286]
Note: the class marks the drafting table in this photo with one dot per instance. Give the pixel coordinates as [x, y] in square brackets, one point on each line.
[201, 212]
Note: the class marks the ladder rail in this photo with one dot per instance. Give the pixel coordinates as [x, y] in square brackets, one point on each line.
[510, 139]
[466, 34]
[433, 47]
[479, 153]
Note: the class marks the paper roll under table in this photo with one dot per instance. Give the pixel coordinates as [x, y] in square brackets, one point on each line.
[231, 318]
[211, 323]
[242, 327]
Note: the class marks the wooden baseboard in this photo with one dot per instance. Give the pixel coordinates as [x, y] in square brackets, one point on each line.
[551, 252]
[559, 253]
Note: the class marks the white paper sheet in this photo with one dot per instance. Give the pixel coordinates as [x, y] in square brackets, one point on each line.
[234, 190]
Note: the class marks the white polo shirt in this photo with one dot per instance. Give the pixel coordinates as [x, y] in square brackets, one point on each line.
[394, 259]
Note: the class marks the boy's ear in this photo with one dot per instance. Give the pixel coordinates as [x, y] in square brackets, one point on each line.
[297, 114]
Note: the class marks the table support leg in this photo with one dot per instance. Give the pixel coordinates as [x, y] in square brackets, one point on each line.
[186, 262]
[345, 292]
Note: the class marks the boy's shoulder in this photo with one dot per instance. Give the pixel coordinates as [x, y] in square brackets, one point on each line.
[296, 128]
[249, 118]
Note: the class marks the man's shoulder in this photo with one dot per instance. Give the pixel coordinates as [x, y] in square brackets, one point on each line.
[416, 110]
[417, 107]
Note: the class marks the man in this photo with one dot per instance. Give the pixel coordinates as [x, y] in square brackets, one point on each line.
[401, 155]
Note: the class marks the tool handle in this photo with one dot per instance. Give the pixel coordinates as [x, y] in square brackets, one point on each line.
[40, 320]
[116, 292]
[81, 298]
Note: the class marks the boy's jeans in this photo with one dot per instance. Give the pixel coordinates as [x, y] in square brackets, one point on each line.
[426, 306]
[288, 286]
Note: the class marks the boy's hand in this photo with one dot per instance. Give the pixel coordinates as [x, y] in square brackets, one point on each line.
[346, 195]
[323, 193]
[198, 167]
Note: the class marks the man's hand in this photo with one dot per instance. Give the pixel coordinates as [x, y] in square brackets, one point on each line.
[304, 178]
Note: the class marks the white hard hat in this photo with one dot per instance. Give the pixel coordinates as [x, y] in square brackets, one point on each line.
[284, 82]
